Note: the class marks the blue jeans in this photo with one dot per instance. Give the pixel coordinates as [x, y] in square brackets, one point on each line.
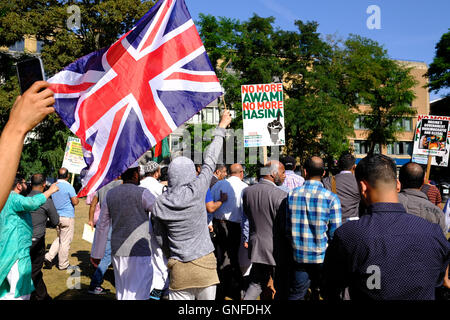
[97, 278]
[304, 276]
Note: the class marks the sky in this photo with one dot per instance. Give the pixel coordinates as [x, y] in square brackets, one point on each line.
[408, 30]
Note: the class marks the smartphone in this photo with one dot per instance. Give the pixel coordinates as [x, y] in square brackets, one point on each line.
[29, 71]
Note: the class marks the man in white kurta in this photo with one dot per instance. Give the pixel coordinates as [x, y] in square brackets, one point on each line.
[160, 283]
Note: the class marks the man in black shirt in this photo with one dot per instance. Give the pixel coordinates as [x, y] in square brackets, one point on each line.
[45, 214]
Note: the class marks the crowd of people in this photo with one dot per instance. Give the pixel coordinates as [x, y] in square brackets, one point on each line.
[199, 232]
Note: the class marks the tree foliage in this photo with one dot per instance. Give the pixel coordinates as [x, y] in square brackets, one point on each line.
[324, 80]
[102, 22]
[439, 71]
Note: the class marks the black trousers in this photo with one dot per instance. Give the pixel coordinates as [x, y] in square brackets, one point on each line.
[226, 243]
[37, 253]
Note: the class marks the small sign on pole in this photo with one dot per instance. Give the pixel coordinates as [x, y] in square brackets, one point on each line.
[263, 115]
[432, 141]
[73, 156]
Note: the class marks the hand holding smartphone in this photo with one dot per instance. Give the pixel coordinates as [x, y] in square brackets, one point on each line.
[29, 71]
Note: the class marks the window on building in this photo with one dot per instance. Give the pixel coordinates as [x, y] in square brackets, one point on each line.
[405, 124]
[359, 123]
[209, 115]
[18, 46]
[175, 143]
[39, 46]
[363, 147]
[401, 148]
[216, 115]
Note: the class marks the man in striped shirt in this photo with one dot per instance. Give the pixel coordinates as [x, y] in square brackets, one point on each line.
[313, 214]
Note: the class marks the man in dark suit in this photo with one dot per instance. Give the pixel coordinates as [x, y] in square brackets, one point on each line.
[346, 187]
[265, 207]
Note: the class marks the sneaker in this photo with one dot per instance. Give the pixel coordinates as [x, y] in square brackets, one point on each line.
[47, 264]
[98, 290]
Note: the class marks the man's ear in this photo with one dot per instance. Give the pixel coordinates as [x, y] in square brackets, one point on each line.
[304, 173]
[363, 187]
[399, 186]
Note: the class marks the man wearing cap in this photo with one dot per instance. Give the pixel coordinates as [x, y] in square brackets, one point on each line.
[150, 181]
[292, 180]
[160, 282]
[126, 209]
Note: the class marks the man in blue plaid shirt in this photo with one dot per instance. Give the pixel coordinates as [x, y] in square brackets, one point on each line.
[313, 214]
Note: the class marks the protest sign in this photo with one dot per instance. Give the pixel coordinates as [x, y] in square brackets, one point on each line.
[263, 115]
[432, 138]
[73, 156]
[431, 135]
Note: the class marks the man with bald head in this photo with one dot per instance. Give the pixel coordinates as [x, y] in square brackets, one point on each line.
[227, 226]
[65, 201]
[265, 206]
[314, 213]
[415, 201]
[388, 254]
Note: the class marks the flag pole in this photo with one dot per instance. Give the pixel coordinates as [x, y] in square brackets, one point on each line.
[427, 174]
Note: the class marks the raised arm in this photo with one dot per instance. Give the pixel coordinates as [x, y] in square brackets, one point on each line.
[34, 202]
[213, 151]
[28, 110]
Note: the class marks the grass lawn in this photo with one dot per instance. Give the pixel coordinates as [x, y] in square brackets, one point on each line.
[73, 285]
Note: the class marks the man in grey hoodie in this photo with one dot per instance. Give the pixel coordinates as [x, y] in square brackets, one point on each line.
[180, 225]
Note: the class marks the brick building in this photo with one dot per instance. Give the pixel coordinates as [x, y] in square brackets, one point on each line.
[401, 150]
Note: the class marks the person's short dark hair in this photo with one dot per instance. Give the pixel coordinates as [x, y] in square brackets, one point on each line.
[314, 167]
[376, 168]
[128, 175]
[288, 162]
[411, 175]
[220, 167]
[18, 179]
[346, 161]
[164, 176]
[37, 179]
[63, 173]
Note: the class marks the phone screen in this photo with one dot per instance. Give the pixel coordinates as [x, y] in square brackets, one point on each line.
[29, 71]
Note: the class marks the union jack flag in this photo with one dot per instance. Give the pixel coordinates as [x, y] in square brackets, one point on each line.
[122, 100]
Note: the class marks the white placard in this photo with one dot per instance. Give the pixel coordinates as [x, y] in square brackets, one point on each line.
[88, 233]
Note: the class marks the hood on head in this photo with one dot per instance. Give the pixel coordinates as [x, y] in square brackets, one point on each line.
[181, 171]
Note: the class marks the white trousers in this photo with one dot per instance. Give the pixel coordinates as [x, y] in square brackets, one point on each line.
[13, 278]
[208, 293]
[159, 263]
[133, 277]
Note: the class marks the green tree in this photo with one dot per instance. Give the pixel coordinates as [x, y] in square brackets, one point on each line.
[319, 115]
[439, 71]
[102, 22]
[384, 84]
